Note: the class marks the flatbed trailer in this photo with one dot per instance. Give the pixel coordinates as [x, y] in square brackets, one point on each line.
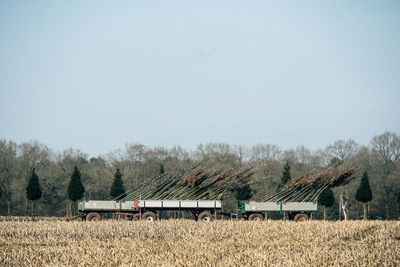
[297, 211]
[92, 210]
[203, 210]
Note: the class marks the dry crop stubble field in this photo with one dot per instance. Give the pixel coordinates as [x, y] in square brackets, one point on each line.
[190, 243]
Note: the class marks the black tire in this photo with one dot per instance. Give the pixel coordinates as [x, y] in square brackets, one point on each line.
[205, 216]
[149, 216]
[93, 217]
[301, 217]
[256, 217]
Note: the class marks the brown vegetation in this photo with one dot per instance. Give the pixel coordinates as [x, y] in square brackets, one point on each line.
[309, 186]
[200, 182]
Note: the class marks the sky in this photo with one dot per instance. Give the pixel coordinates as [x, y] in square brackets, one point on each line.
[97, 75]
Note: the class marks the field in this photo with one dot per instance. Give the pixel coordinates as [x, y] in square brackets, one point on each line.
[190, 243]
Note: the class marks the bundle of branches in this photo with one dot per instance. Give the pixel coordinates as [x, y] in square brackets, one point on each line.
[308, 187]
[197, 183]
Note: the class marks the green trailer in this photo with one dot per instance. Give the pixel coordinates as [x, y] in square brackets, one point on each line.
[297, 211]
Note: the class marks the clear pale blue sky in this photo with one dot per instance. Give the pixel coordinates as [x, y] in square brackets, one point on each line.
[96, 75]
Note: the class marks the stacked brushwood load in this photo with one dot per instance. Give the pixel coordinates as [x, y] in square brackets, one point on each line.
[308, 187]
[198, 183]
[211, 183]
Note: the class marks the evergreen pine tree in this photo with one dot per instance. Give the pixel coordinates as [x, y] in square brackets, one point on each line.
[117, 189]
[398, 197]
[364, 193]
[162, 171]
[285, 174]
[33, 190]
[75, 187]
[243, 193]
[326, 199]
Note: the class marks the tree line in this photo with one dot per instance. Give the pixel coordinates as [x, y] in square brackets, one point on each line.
[136, 164]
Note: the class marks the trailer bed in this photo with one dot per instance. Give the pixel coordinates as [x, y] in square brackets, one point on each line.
[104, 205]
[253, 206]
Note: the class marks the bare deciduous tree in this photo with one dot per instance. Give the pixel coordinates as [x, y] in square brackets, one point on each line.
[385, 156]
[343, 149]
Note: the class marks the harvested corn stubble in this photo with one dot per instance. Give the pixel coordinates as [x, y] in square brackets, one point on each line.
[190, 243]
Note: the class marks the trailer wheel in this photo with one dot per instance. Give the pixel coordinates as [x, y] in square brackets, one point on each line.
[256, 217]
[149, 216]
[205, 216]
[93, 217]
[301, 217]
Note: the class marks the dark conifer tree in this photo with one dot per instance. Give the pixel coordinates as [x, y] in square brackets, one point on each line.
[33, 190]
[364, 193]
[75, 187]
[117, 189]
[243, 193]
[326, 199]
[285, 174]
[398, 198]
[162, 171]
